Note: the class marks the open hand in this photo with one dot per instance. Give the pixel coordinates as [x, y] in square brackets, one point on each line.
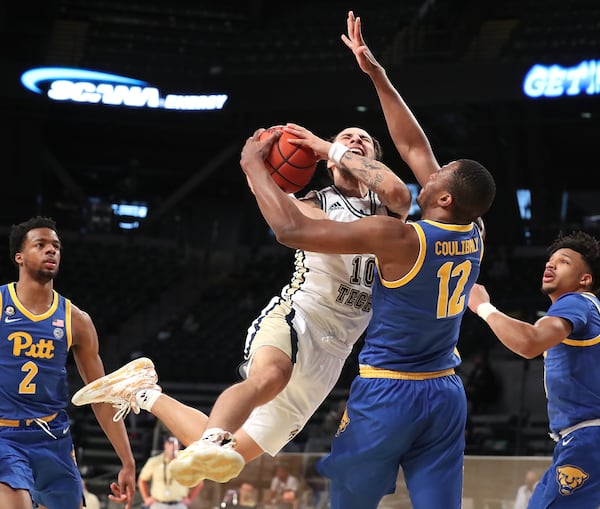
[354, 40]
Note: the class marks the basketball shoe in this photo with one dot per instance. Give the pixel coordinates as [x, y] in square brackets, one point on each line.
[120, 387]
[212, 458]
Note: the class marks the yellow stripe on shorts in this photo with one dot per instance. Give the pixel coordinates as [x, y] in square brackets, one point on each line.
[372, 372]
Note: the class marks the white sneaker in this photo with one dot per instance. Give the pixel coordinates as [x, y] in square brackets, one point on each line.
[120, 387]
[204, 459]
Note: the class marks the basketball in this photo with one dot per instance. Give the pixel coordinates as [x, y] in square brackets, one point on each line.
[291, 166]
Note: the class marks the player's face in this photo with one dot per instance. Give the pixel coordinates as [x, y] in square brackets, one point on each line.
[565, 271]
[437, 183]
[40, 254]
[358, 141]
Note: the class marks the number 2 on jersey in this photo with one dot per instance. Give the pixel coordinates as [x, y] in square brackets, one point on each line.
[26, 386]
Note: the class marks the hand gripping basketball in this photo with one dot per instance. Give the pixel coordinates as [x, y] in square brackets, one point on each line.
[291, 166]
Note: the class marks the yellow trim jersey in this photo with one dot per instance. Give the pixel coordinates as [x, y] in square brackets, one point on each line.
[33, 356]
[416, 320]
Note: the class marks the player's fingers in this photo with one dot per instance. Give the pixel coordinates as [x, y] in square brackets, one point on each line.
[358, 31]
[350, 23]
[119, 499]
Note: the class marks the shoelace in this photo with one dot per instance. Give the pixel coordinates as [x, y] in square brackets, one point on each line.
[123, 408]
[45, 427]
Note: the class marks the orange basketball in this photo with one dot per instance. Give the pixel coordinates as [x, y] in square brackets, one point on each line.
[291, 166]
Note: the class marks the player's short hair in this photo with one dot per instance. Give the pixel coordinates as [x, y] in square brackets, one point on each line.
[18, 232]
[473, 189]
[587, 246]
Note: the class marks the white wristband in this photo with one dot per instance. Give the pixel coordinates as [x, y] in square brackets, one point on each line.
[336, 152]
[485, 309]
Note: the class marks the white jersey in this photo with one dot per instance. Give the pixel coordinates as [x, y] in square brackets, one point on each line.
[333, 291]
[315, 320]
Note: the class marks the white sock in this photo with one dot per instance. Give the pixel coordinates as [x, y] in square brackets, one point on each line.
[217, 435]
[146, 398]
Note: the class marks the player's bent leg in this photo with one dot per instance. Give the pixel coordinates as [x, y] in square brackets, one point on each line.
[270, 371]
[183, 421]
[246, 446]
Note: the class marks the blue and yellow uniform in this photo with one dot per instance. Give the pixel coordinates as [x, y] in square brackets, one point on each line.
[407, 408]
[36, 448]
[572, 384]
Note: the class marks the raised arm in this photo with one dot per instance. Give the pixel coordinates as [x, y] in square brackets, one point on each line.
[406, 133]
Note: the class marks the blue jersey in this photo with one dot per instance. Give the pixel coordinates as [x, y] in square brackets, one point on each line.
[410, 331]
[571, 367]
[33, 356]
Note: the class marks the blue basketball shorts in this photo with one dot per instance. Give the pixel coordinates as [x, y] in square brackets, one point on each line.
[30, 459]
[573, 479]
[416, 425]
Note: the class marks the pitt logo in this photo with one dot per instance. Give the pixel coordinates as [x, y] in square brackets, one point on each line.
[344, 421]
[569, 478]
[23, 345]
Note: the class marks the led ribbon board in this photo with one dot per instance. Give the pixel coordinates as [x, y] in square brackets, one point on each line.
[556, 80]
[87, 86]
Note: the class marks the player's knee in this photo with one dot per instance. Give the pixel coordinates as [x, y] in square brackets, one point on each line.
[270, 381]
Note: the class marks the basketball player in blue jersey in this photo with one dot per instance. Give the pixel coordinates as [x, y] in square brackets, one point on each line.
[568, 336]
[38, 327]
[297, 346]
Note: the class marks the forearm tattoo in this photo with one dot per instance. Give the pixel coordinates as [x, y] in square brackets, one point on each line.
[368, 171]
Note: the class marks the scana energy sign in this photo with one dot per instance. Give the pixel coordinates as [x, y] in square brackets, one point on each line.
[556, 80]
[86, 86]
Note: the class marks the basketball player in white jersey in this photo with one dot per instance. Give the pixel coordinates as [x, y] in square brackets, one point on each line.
[295, 349]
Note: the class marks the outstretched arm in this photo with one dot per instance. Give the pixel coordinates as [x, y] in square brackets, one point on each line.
[523, 338]
[406, 133]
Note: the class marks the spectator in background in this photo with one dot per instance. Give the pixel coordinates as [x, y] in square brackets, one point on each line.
[482, 385]
[283, 491]
[158, 488]
[248, 496]
[525, 491]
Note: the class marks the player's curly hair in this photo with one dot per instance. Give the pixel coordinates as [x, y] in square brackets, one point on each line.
[587, 246]
[18, 232]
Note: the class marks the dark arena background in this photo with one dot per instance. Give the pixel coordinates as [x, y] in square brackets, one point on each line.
[164, 245]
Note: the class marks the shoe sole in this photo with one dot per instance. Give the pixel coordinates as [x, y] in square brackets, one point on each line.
[191, 468]
[86, 395]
